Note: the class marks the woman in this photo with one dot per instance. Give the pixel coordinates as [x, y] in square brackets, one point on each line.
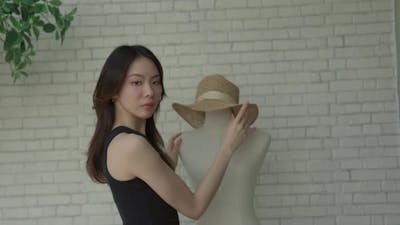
[126, 150]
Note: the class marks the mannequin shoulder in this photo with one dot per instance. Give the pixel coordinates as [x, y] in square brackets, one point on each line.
[191, 134]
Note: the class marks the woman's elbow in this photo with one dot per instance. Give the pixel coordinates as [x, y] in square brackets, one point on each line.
[193, 209]
[195, 215]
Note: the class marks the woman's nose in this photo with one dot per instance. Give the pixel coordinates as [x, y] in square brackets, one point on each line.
[149, 90]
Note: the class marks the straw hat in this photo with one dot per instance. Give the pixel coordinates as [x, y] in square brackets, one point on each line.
[214, 92]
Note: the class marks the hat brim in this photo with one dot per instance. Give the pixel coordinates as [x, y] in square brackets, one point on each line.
[194, 114]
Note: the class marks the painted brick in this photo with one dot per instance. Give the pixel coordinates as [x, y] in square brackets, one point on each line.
[321, 71]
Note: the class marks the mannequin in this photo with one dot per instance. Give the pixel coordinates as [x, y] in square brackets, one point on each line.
[233, 202]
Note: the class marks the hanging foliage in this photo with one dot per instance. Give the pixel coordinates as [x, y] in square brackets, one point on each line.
[23, 20]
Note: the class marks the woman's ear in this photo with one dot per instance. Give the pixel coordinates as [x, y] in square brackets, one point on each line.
[114, 98]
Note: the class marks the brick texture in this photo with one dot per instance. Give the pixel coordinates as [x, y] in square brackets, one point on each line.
[321, 71]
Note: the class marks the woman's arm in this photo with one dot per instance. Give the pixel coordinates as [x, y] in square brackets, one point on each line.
[134, 154]
[145, 163]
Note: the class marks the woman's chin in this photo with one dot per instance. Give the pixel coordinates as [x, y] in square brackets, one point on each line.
[146, 115]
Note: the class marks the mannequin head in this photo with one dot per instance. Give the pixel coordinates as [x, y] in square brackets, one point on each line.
[217, 118]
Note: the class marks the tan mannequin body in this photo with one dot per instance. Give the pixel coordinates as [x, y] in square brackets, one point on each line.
[233, 202]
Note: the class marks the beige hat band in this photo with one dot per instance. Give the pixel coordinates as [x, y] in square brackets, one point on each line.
[216, 95]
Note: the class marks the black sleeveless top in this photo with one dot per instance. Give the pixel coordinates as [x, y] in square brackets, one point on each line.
[137, 203]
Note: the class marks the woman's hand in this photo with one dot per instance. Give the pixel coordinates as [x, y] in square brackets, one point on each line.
[237, 130]
[174, 147]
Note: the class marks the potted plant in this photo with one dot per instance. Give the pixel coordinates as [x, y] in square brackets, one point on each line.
[21, 20]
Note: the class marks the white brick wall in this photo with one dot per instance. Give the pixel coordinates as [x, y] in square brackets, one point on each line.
[321, 71]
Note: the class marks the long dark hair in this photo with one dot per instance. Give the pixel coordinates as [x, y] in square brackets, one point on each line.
[109, 84]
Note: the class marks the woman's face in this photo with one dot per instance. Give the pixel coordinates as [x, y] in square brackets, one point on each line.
[141, 92]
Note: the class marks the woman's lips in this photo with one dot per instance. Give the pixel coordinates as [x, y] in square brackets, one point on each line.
[148, 105]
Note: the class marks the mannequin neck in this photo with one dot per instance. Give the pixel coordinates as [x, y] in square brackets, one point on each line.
[217, 119]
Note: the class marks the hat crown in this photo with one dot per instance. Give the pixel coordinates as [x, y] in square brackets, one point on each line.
[217, 84]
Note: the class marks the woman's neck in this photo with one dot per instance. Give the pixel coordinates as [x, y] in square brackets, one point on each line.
[123, 119]
[134, 126]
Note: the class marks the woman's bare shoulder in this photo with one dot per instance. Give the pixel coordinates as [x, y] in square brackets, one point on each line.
[129, 145]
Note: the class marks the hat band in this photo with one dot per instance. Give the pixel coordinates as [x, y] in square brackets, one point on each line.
[216, 95]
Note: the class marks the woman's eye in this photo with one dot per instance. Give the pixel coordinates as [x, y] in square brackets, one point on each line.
[156, 82]
[136, 83]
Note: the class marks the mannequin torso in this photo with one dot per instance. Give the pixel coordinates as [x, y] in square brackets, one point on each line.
[233, 202]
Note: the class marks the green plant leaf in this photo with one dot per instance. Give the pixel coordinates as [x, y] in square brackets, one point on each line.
[29, 60]
[39, 8]
[19, 38]
[25, 12]
[17, 56]
[59, 21]
[15, 23]
[71, 13]
[56, 2]
[27, 39]
[54, 11]
[57, 16]
[38, 21]
[9, 56]
[5, 8]
[62, 34]
[22, 46]
[2, 29]
[36, 32]
[27, 2]
[25, 25]
[14, 8]
[21, 65]
[23, 73]
[48, 28]
[15, 74]
[11, 39]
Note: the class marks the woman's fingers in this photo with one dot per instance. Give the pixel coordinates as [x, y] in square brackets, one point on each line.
[171, 141]
[176, 135]
[238, 128]
[241, 114]
[178, 144]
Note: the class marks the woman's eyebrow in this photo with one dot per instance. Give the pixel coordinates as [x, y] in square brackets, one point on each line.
[142, 75]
